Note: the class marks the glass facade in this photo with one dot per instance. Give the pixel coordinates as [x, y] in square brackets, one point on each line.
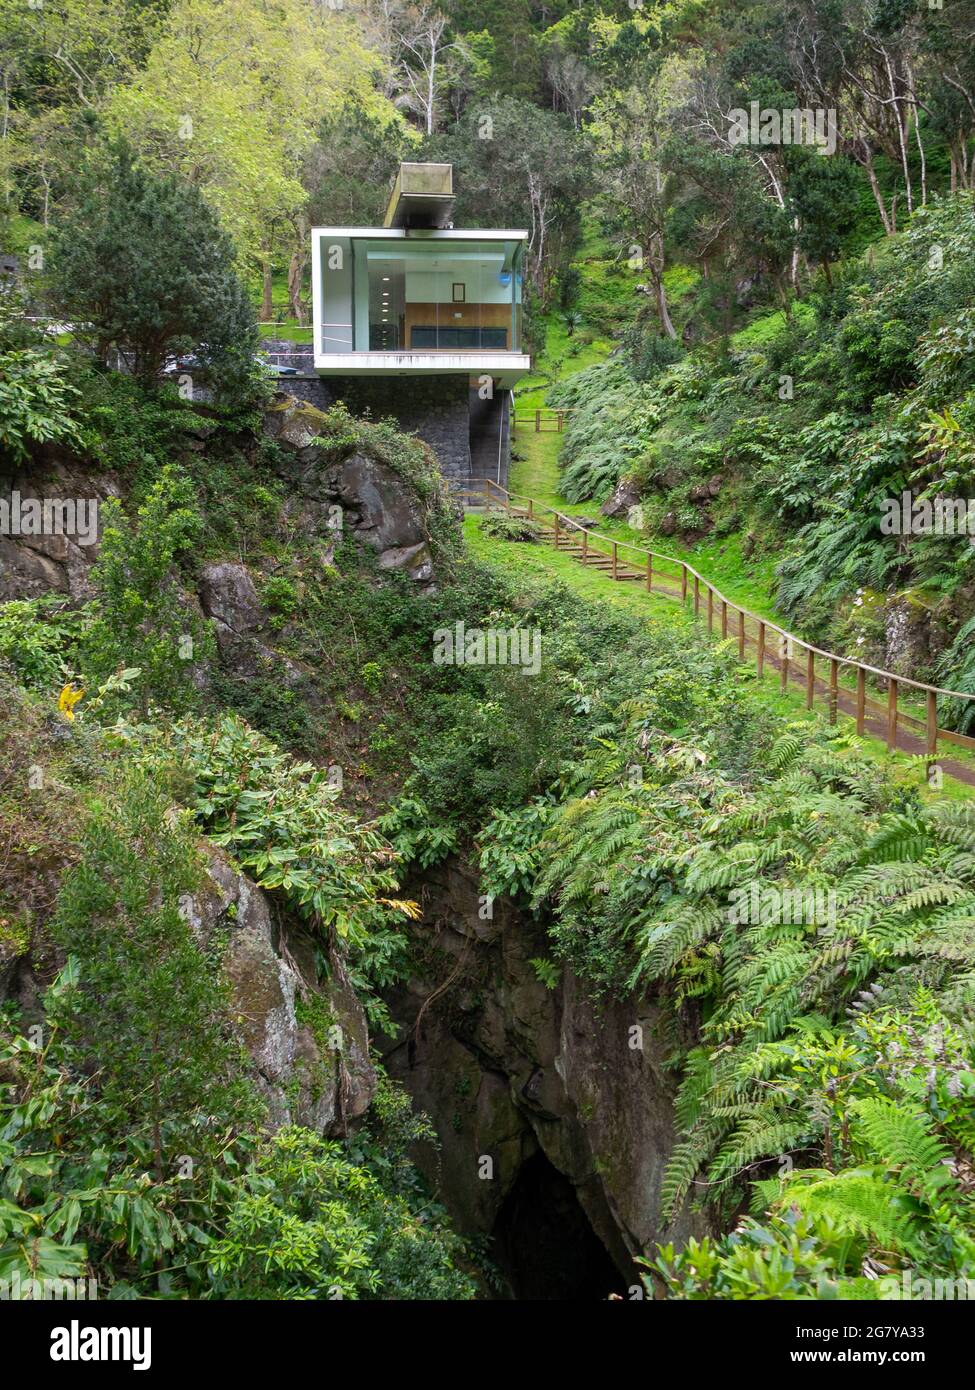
[389, 294]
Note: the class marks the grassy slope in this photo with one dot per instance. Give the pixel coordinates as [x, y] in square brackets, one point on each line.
[750, 582]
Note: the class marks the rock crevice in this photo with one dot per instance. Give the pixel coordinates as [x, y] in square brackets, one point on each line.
[510, 1069]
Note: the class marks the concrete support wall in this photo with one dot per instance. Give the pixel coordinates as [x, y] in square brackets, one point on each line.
[434, 407]
[437, 408]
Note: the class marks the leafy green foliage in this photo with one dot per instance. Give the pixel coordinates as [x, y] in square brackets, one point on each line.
[65, 1205]
[501, 527]
[815, 1038]
[806, 429]
[127, 428]
[791, 1256]
[279, 819]
[37, 637]
[140, 617]
[131, 1148]
[307, 1223]
[38, 404]
[144, 986]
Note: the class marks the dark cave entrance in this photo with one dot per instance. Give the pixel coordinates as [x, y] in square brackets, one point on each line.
[544, 1244]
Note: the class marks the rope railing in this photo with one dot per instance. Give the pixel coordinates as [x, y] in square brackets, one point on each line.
[784, 646]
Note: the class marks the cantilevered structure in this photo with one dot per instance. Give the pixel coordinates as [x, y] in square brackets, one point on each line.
[420, 299]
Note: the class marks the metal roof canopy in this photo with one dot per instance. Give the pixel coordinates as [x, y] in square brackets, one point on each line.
[422, 196]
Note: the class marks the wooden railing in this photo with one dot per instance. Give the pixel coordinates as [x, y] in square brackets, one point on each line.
[774, 645]
[540, 421]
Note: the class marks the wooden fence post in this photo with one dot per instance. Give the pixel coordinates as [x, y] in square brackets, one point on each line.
[710, 609]
[861, 698]
[932, 723]
[834, 676]
[531, 508]
[724, 619]
[810, 677]
[697, 596]
[761, 648]
[585, 545]
[784, 644]
[615, 558]
[891, 714]
[538, 421]
[683, 583]
[741, 634]
[649, 574]
[556, 530]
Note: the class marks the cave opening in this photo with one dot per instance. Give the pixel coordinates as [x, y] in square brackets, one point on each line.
[544, 1244]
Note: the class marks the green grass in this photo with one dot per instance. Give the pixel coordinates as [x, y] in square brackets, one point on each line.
[533, 562]
[747, 582]
[768, 326]
[563, 354]
[290, 331]
[288, 328]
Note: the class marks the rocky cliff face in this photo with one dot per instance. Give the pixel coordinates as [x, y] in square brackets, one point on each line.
[554, 1115]
[308, 1042]
[314, 1073]
[331, 489]
[53, 557]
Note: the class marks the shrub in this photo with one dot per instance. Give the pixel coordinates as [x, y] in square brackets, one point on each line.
[501, 527]
[139, 617]
[37, 640]
[142, 265]
[38, 404]
[307, 1223]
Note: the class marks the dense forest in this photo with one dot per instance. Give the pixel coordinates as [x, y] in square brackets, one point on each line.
[331, 970]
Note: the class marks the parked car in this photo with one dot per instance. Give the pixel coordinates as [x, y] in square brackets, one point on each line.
[275, 368]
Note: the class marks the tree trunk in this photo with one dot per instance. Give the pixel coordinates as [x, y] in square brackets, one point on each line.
[431, 85]
[878, 196]
[663, 309]
[296, 275]
[267, 306]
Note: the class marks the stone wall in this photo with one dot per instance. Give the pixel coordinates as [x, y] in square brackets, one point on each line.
[434, 407]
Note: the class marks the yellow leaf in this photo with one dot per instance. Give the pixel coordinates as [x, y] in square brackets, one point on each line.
[404, 905]
[67, 700]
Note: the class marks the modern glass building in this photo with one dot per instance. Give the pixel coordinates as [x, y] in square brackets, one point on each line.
[422, 322]
[408, 299]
